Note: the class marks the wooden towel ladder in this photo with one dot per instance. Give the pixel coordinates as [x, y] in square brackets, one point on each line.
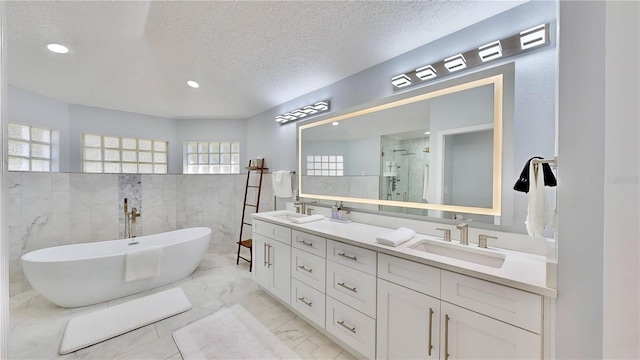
[247, 243]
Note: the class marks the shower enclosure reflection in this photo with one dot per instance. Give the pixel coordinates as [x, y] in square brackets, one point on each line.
[405, 174]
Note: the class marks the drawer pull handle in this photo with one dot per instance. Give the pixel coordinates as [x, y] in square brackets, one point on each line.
[305, 243]
[348, 257]
[308, 303]
[346, 287]
[304, 268]
[265, 254]
[352, 329]
[430, 328]
[446, 337]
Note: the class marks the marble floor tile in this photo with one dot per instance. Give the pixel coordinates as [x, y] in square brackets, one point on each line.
[37, 326]
[318, 346]
[162, 348]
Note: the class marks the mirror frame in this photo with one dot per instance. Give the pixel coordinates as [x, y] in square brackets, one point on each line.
[439, 89]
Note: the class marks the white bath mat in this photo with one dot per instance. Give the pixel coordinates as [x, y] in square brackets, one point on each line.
[92, 328]
[230, 333]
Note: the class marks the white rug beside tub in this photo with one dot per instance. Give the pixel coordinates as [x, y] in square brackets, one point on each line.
[89, 329]
[230, 333]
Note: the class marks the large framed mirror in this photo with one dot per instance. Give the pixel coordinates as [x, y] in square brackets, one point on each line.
[436, 149]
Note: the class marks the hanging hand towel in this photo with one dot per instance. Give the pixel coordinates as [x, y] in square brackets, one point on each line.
[539, 211]
[143, 263]
[396, 237]
[522, 184]
[282, 184]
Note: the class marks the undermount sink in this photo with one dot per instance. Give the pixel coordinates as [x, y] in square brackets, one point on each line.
[286, 215]
[460, 252]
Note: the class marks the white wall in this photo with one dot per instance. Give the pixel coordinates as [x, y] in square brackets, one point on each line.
[621, 302]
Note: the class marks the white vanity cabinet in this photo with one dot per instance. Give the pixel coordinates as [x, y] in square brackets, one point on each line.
[272, 258]
[452, 316]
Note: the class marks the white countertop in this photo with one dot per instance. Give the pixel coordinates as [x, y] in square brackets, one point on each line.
[520, 270]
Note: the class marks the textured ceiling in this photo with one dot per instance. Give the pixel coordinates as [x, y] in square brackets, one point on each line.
[247, 56]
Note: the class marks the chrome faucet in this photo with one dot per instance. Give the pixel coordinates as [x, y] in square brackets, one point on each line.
[464, 233]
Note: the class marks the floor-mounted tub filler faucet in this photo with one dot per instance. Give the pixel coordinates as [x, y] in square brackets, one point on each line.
[130, 221]
[464, 233]
[134, 215]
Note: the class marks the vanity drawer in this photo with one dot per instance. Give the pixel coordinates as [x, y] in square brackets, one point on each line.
[513, 306]
[308, 268]
[272, 231]
[354, 288]
[314, 244]
[352, 256]
[308, 302]
[415, 276]
[354, 328]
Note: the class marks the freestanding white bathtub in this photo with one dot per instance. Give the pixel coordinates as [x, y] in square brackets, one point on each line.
[89, 273]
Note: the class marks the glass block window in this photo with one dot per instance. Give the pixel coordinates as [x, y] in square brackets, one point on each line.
[30, 148]
[113, 154]
[325, 165]
[219, 157]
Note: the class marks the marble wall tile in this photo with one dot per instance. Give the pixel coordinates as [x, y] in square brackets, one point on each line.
[80, 192]
[80, 228]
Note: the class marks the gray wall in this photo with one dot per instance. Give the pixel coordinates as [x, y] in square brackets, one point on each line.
[73, 120]
[533, 129]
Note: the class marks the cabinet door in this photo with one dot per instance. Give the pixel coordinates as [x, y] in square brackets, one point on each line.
[279, 263]
[408, 323]
[260, 261]
[466, 334]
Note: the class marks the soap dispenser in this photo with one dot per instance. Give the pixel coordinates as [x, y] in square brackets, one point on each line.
[334, 211]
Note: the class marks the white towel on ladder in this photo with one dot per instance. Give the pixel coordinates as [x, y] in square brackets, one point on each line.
[282, 184]
[143, 263]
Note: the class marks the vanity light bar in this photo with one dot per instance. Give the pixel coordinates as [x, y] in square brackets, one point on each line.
[401, 81]
[533, 37]
[426, 72]
[490, 51]
[320, 106]
[455, 63]
[525, 40]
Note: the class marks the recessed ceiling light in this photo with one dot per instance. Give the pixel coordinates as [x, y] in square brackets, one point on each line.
[57, 48]
[335, 123]
[427, 132]
[193, 84]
